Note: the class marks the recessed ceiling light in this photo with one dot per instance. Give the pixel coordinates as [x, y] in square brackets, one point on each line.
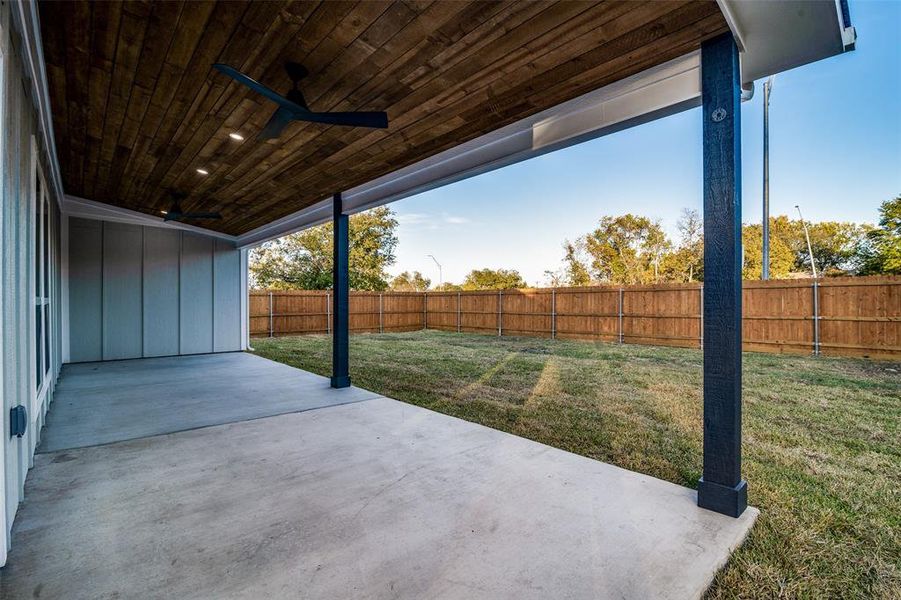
[236, 136]
[203, 171]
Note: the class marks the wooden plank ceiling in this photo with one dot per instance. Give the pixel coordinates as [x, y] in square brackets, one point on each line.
[137, 106]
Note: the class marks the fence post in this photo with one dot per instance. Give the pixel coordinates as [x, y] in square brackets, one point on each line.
[459, 316]
[500, 313]
[816, 318]
[381, 320]
[425, 311]
[620, 315]
[328, 312]
[270, 314]
[553, 313]
[701, 321]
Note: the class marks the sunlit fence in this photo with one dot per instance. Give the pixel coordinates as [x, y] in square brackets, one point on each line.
[858, 316]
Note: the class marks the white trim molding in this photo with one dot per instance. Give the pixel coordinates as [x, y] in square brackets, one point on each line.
[27, 21]
[73, 206]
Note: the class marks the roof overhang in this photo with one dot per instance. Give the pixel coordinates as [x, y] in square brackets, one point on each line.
[777, 36]
[772, 36]
[663, 90]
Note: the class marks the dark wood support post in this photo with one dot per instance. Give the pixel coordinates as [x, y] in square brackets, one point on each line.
[340, 298]
[721, 488]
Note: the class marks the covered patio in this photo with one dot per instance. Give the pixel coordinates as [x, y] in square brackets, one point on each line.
[350, 495]
[147, 162]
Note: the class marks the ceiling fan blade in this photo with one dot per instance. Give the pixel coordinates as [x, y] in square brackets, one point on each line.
[280, 119]
[378, 120]
[257, 86]
[210, 215]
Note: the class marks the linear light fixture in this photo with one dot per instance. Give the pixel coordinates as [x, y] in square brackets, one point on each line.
[203, 171]
[236, 136]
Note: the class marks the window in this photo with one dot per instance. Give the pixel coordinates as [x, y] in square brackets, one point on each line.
[42, 266]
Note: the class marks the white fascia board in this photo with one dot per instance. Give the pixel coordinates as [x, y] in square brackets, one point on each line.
[657, 92]
[73, 206]
[778, 35]
[25, 15]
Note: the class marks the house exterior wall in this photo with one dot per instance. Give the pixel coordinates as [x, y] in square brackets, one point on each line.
[137, 291]
[24, 162]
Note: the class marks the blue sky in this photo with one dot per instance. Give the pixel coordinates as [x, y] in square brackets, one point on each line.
[835, 149]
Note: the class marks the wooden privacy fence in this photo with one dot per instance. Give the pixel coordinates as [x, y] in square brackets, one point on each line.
[838, 316]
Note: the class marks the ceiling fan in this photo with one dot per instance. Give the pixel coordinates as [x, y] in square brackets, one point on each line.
[175, 213]
[293, 107]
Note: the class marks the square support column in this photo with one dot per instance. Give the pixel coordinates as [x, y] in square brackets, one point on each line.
[340, 297]
[721, 488]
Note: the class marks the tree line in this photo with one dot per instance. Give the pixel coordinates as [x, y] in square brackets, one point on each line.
[626, 249]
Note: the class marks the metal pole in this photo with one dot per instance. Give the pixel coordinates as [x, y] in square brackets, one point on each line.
[440, 277]
[459, 316]
[554, 314]
[270, 314]
[767, 88]
[500, 313]
[816, 318]
[813, 266]
[620, 315]
[328, 312]
[381, 319]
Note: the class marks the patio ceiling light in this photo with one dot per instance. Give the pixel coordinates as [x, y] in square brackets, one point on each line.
[236, 136]
[203, 171]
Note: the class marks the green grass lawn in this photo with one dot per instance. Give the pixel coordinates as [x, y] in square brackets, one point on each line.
[822, 453]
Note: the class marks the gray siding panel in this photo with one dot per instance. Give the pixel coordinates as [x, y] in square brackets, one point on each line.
[85, 289]
[137, 291]
[196, 294]
[122, 297]
[161, 307]
[226, 297]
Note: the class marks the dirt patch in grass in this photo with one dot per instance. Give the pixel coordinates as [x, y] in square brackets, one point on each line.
[821, 443]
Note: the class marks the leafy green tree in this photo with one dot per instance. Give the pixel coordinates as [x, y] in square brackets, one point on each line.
[448, 287]
[493, 279]
[880, 251]
[303, 260]
[782, 257]
[626, 249]
[574, 272]
[410, 282]
[835, 244]
[691, 245]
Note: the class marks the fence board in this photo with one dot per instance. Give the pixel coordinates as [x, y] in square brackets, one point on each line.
[855, 316]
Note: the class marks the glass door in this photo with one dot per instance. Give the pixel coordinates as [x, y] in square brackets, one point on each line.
[42, 267]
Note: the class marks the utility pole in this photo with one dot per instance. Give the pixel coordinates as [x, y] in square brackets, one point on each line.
[767, 89]
[813, 266]
[440, 278]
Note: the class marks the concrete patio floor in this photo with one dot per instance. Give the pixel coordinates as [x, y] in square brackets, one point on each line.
[369, 499]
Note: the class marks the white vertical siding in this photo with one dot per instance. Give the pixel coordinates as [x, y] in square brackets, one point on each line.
[196, 294]
[161, 284]
[20, 155]
[122, 292]
[85, 290]
[138, 291]
[226, 297]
